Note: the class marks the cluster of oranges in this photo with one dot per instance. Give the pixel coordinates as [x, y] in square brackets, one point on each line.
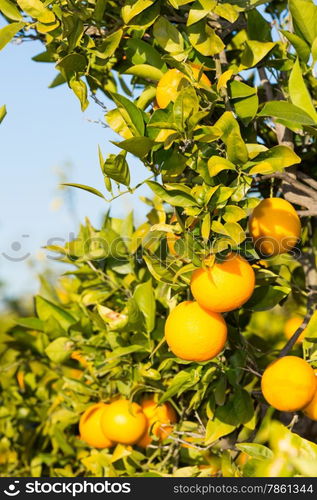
[196, 331]
[104, 425]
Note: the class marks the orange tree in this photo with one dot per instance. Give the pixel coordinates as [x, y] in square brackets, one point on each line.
[219, 105]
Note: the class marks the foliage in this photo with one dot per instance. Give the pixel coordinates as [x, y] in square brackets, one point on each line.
[211, 155]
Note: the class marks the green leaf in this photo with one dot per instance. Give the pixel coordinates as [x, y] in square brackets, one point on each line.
[132, 8]
[258, 28]
[266, 297]
[31, 323]
[8, 32]
[158, 269]
[60, 349]
[184, 380]
[240, 89]
[304, 16]
[245, 100]
[217, 429]
[124, 351]
[80, 90]
[254, 450]
[205, 227]
[217, 164]
[116, 121]
[117, 168]
[147, 96]
[145, 71]
[286, 111]
[144, 297]
[140, 52]
[246, 108]
[233, 213]
[138, 146]
[238, 410]
[227, 11]
[301, 47]
[254, 52]
[46, 309]
[10, 10]
[72, 65]
[168, 36]
[131, 114]
[274, 159]
[3, 112]
[185, 106]
[298, 92]
[109, 45]
[199, 10]
[85, 188]
[174, 197]
[204, 39]
[36, 9]
[236, 149]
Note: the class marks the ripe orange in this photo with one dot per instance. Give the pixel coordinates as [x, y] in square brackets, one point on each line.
[291, 326]
[242, 459]
[123, 421]
[274, 226]
[77, 355]
[195, 334]
[157, 418]
[172, 82]
[90, 427]
[224, 286]
[311, 410]
[289, 384]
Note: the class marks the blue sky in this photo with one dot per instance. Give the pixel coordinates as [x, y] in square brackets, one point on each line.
[45, 133]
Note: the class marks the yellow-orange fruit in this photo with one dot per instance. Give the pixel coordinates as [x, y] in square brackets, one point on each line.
[171, 83]
[195, 334]
[289, 384]
[123, 422]
[90, 427]
[158, 416]
[225, 286]
[311, 409]
[291, 326]
[274, 226]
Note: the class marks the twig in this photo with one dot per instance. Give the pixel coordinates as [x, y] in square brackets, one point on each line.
[289, 178]
[266, 84]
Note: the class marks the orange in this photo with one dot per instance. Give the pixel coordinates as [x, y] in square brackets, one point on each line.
[225, 286]
[156, 416]
[242, 459]
[311, 410]
[123, 421]
[77, 355]
[172, 82]
[274, 226]
[90, 427]
[289, 383]
[291, 326]
[195, 334]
